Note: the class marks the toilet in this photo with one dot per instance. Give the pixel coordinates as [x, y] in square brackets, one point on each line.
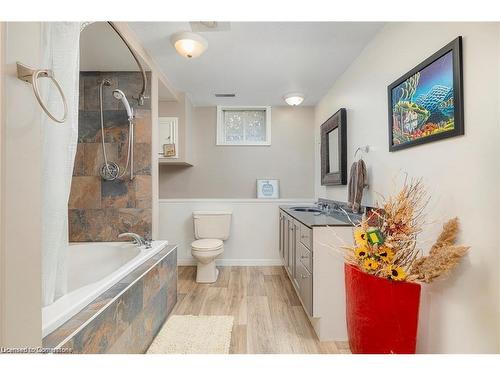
[210, 229]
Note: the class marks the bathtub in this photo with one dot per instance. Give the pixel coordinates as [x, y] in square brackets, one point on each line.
[93, 267]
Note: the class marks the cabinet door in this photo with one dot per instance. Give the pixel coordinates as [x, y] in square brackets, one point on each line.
[286, 240]
[296, 240]
[281, 234]
[290, 247]
[303, 255]
[305, 282]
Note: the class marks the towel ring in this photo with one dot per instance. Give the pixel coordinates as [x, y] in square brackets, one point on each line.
[363, 149]
[30, 75]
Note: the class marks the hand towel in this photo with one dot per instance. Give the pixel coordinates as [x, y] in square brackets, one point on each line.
[357, 181]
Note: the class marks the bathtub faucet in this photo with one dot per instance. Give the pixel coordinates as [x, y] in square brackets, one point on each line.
[138, 240]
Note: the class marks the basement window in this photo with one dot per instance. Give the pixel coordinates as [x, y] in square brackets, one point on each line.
[243, 126]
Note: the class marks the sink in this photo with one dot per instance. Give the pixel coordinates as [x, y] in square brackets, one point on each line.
[306, 209]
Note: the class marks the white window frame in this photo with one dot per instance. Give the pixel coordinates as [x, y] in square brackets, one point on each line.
[221, 138]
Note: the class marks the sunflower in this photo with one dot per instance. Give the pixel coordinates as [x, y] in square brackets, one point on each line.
[361, 252]
[360, 237]
[395, 272]
[370, 264]
[385, 253]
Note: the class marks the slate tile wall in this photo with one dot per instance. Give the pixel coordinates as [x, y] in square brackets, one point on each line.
[99, 210]
[124, 320]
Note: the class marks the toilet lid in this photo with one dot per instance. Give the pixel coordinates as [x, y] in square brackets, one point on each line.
[207, 244]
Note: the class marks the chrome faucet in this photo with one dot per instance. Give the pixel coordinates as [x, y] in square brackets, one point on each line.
[138, 240]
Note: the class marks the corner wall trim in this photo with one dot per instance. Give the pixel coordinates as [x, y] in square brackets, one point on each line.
[235, 262]
[237, 200]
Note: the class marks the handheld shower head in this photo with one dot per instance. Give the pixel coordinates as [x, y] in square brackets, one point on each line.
[119, 95]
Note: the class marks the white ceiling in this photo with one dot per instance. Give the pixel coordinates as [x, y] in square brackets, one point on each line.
[259, 61]
[101, 49]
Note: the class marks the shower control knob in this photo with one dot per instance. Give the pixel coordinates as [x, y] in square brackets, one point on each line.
[110, 171]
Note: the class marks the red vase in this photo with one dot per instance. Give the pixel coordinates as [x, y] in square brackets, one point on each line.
[382, 315]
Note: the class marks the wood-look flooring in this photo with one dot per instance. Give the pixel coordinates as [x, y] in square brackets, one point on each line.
[268, 316]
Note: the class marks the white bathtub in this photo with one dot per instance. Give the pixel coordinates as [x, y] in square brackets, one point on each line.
[93, 267]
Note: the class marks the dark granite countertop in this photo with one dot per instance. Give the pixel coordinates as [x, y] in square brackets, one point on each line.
[314, 219]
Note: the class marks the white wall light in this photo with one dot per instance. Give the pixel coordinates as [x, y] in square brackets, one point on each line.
[294, 99]
[188, 44]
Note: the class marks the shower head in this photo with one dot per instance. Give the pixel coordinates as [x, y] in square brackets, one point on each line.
[119, 95]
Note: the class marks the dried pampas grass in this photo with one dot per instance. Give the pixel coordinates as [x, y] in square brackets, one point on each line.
[448, 235]
[443, 256]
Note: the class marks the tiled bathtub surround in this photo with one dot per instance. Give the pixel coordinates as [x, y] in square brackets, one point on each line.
[99, 210]
[126, 317]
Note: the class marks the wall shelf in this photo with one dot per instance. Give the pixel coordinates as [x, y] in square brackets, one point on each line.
[173, 161]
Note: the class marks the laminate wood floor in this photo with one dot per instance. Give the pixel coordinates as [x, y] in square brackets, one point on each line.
[268, 316]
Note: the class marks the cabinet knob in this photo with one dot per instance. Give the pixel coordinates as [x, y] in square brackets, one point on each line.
[304, 257]
[304, 276]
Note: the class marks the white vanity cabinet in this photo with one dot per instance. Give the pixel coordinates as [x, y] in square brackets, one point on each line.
[313, 260]
[295, 251]
[287, 243]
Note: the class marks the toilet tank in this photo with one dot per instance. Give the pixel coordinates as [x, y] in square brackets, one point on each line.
[212, 224]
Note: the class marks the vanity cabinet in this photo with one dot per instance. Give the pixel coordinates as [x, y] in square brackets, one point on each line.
[296, 254]
[287, 242]
[303, 276]
[282, 235]
[316, 269]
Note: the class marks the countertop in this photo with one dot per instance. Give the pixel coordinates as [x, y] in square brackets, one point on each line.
[313, 219]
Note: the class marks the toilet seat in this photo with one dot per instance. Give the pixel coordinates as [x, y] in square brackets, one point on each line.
[207, 244]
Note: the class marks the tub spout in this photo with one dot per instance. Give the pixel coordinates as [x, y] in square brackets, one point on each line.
[138, 240]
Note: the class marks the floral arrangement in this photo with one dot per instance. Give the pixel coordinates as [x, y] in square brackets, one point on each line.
[386, 240]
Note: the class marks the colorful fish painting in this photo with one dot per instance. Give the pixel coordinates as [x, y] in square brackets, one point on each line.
[423, 103]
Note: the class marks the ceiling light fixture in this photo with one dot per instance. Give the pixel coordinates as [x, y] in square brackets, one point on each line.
[188, 44]
[294, 99]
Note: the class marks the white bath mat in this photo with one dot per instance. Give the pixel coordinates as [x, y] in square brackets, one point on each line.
[188, 334]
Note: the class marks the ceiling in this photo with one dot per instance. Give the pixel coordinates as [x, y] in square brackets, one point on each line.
[258, 61]
[101, 49]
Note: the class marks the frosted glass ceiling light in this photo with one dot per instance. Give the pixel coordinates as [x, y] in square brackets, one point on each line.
[294, 99]
[188, 44]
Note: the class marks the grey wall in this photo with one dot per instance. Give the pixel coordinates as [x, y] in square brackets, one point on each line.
[99, 210]
[232, 171]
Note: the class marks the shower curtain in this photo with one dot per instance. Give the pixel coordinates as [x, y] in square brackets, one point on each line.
[61, 52]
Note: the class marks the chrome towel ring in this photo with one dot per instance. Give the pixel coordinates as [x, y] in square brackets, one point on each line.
[31, 75]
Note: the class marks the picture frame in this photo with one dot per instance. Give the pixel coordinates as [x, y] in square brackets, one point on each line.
[426, 104]
[268, 189]
[334, 149]
[169, 150]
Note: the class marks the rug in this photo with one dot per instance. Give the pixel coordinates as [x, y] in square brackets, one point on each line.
[188, 334]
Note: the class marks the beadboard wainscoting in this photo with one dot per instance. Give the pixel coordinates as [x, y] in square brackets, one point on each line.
[253, 241]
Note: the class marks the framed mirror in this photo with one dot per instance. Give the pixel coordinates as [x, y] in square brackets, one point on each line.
[334, 149]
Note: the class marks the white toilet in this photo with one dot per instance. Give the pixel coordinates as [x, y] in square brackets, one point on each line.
[210, 229]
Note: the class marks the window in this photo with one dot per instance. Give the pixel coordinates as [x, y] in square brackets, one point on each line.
[243, 126]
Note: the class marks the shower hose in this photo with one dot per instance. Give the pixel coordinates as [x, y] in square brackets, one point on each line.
[113, 174]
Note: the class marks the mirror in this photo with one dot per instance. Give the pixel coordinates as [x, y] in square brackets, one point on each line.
[334, 149]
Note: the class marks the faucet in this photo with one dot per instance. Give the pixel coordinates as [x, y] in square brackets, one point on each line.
[138, 240]
[321, 205]
[335, 206]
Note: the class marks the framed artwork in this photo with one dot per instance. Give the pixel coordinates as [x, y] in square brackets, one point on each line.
[426, 104]
[334, 149]
[268, 189]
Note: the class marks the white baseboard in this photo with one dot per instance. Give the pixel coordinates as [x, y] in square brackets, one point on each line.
[235, 262]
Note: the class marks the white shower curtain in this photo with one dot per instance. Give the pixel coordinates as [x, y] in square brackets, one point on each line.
[60, 43]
